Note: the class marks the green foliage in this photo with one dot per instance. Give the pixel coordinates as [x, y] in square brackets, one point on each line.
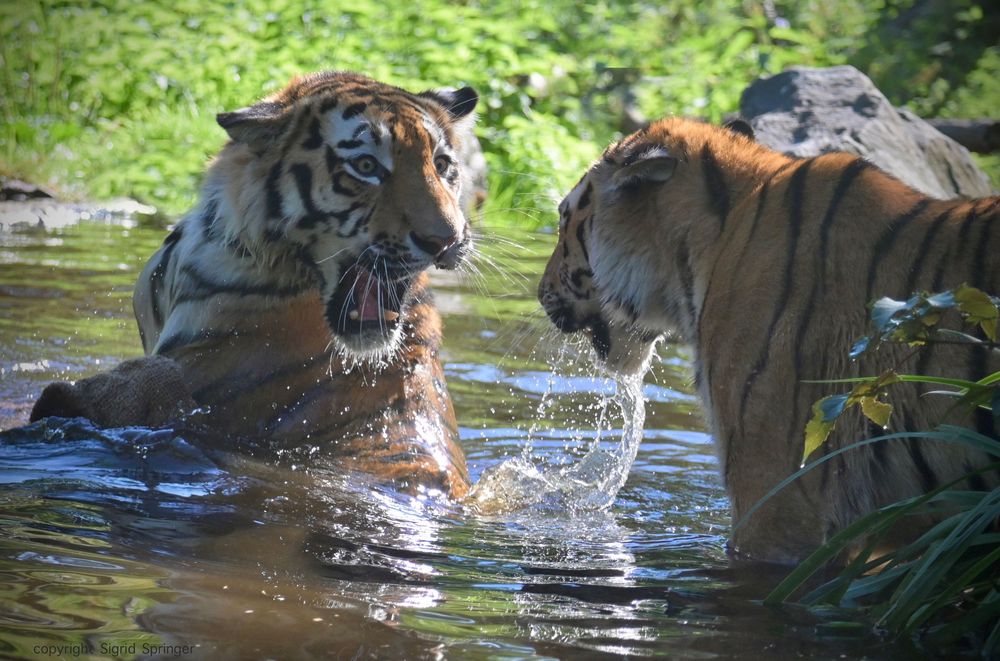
[942, 585]
[867, 394]
[914, 322]
[105, 97]
[945, 585]
[951, 66]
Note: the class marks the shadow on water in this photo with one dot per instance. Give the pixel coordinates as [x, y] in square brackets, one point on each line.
[137, 541]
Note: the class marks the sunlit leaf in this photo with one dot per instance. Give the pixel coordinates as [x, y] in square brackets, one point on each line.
[876, 411]
[860, 346]
[887, 378]
[824, 417]
[943, 300]
[883, 310]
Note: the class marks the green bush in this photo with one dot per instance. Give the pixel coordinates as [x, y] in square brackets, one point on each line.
[108, 97]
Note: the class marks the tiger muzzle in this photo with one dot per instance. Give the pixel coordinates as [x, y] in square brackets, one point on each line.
[560, 313]
[565, 318]
[447, 252]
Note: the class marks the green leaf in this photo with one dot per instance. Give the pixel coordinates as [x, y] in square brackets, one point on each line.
[986, 612]
[824, 418]
[937, 380]
[929, 319]
[989, 327]
[876, 411]
[978, 308]
[955, 585]
[975, 303]
[989, 379]
[932, 567]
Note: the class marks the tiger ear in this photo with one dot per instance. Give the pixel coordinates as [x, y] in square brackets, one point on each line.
[740, 127]
[653, 166]
[256, 126]
[458, 102]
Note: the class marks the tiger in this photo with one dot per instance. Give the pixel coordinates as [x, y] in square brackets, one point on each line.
[294, 296]
[764, 264]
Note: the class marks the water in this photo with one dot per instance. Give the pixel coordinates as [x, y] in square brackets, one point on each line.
[140, 542]
[589, 483]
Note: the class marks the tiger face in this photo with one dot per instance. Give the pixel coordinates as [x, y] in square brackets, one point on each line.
[595, 281]
[625, 269]
[357, 184]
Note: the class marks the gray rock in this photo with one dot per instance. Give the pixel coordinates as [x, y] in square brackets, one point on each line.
[15, 190]
[806, 112]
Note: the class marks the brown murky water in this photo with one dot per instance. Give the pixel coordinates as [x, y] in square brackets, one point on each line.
[136, 542]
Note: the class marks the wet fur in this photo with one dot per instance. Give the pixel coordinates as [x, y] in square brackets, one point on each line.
[240, 292]
[765, 264]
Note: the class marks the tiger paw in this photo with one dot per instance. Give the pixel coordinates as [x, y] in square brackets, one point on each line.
[146, 391]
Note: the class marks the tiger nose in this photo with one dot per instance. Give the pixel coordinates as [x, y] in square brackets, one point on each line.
[434, 245]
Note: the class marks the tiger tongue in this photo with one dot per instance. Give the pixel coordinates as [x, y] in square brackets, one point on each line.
[366, 290]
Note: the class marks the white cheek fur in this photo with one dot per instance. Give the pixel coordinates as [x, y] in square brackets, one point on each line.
[631, 279]
[621, 276]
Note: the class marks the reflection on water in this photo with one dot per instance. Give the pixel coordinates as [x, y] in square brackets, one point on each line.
[115, 540]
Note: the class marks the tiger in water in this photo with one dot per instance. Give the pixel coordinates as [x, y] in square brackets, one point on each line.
[295, 295]
[764, 264]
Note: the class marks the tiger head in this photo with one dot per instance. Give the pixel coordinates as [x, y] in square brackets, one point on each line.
[355, 186]
[623, 269]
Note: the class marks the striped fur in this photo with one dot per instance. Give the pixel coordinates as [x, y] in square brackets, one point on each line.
[295, 296]
[765, 264]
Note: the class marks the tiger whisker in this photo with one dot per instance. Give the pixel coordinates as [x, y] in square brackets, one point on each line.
[329, 257]
[378, 293]
[344, 306]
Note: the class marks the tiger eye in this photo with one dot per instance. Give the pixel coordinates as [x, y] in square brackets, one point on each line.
[442, 164]
[365, 165]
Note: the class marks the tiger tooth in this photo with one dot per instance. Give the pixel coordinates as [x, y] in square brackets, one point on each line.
[390, 315]
[353, 315]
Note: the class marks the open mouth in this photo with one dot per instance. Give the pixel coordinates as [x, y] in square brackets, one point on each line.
[600, 336]
[566, 320]
[365, 306]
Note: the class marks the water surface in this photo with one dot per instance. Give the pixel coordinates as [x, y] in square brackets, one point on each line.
[134, 541]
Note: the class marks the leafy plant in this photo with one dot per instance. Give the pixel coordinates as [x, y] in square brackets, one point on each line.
[945, 584]
[913, 322]
[103, 98]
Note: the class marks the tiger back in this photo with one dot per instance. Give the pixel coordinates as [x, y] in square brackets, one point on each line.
[295, 295]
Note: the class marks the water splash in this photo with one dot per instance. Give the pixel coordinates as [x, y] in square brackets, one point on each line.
[544, 405]
[592, 483]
